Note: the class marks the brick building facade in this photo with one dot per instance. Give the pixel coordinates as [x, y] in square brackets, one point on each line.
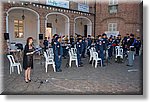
[127, 17]
[109, 17]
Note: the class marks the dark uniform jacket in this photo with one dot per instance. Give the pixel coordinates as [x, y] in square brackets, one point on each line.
[79, 47]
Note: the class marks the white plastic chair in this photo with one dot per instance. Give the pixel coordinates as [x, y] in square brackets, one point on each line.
[73, 57]
[74, 51]
[50, 53]
[12, 46]
[119, 51]
[13, 64]
[96, 59]
[91, 52]
[48, 61]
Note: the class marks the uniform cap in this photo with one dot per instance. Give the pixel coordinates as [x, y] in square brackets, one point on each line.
[103, 34]
[132, 35]
[99, 36]
[57, 38]
[89, 35]
[79, 39]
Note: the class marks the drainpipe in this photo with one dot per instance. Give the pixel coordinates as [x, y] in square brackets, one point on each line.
[95, 19]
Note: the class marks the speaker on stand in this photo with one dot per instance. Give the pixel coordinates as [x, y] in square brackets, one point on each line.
[6, 38]
[41, 37]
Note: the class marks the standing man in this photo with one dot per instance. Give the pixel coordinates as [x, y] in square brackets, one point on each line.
[89, 43]
[72, 41]
[110, 47]
[138, 46]
[58, 52]
[125, 44]
[54, 39]
[99, 49]
[105, 42]
[89, 40]
[131, 48]
[46, 44]
[84, 45]
[79, 51]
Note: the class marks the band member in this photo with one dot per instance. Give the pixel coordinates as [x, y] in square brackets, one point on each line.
[84, 45]
[46, 44]
[28, 59]
[131, 48]
[104, 42]
[138, 46]
[58, 52]
[89, 43]
[89, 40]
[100, 48]
[110, 47]
[79, 51]
[54, 39]
[125, 44]
[117, 42]
[72, 42]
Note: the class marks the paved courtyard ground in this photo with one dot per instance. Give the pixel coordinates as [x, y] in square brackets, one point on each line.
[115, 78]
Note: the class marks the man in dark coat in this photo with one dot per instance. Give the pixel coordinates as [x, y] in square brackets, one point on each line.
[79, 51]
[58, 52]
[137, 46]
[131, 48]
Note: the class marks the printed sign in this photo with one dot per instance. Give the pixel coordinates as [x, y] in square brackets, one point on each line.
[83, 7]
[58, 3]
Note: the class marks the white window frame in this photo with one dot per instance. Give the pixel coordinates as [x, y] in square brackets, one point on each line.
[85, 2]
[19, 28]
[112, 26]
[113, 2]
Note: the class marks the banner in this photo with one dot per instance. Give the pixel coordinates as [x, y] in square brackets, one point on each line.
[83, 7]
[58, 3]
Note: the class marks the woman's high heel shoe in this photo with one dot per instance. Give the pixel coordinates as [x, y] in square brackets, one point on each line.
[29, 80]
[26, 81]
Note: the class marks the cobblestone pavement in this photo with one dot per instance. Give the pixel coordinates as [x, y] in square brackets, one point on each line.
[115, 78]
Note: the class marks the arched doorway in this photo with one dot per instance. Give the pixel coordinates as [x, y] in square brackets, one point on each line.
[59, 24]
[83, 26]
[22, 23]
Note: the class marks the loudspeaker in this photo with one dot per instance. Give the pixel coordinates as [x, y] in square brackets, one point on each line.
[85, 30]
[6, 36]
[49, 25]
[40, 36]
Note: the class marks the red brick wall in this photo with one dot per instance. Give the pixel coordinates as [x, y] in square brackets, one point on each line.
[127, 17]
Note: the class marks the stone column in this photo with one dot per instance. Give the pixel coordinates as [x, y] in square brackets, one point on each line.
[72, 27]
[42, 25]
[67, 26]
[42, 29]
